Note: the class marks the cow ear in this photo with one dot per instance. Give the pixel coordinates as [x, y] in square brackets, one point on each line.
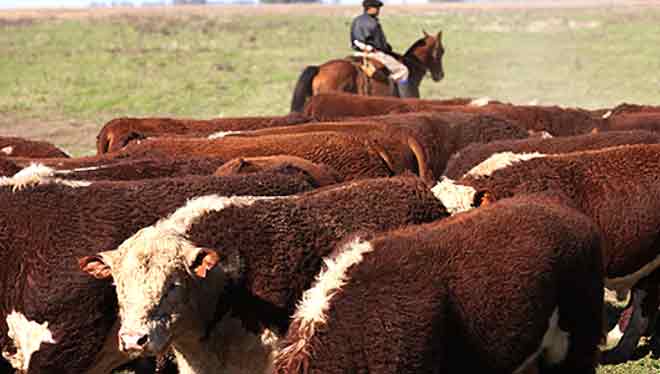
[235, 166]
[96, 266]
[483, 198]
[203, 260]
[439, 37]
[426, 34]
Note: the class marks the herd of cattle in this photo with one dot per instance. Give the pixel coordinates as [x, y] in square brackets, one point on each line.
[363, 235]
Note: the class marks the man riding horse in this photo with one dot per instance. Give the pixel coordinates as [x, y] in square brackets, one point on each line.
[367, 36]
[366, 74]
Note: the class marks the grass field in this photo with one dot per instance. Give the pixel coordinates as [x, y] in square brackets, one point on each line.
[65, 73]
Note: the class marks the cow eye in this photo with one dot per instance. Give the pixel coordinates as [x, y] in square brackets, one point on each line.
[172, 286]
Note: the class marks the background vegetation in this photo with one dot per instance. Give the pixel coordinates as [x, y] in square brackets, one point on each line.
[64, 74]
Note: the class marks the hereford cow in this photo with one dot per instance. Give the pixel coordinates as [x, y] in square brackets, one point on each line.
[180, 280]
[321, 174]
[641, 120]
[348, 155]
[554, 120]
[19, 147]
[419, 142]
[332, 106]
[55, 319]
[617, 187]
[514, 285]
[474, 154]
[109, 167]
[117, 133]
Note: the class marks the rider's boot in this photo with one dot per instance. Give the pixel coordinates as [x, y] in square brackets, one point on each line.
[406, 89]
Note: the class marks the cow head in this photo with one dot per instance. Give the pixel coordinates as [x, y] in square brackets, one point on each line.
[167, 288]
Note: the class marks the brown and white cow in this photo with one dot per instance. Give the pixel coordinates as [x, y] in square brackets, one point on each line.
[617, 187]
[555, 120]
[247, 258]
[20, 147]
[109, 167]
[346, 154]
[418, 142]
[321, 174]
[55, 319]
[474, 154]
[119, 132]
[511, 287]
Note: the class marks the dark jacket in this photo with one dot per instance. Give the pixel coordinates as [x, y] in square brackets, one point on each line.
[366, 29]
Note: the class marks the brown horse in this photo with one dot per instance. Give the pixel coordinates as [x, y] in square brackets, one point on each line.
[345, 75]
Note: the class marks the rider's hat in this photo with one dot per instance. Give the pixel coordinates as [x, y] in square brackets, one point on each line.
[372, 3]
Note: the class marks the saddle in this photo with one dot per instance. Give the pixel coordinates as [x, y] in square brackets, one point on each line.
[371, 68]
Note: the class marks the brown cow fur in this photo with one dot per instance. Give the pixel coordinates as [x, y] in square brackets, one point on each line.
[617, 187]
[109, 167]
[8, 167]
[45, 229]
[333, 106]
[554, 120]
[419, 142]
[470, 294]
[348, 155]
[470, 156]
[117, 133]
[641, 120]
[19, 147]
[279, 244]
[321, 174]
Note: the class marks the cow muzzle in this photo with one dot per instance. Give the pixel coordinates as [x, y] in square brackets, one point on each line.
[133, 342]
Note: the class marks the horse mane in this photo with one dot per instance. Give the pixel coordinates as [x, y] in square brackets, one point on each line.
[417, 44]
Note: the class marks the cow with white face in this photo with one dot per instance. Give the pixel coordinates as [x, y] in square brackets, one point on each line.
[168, 290]
[193, 280]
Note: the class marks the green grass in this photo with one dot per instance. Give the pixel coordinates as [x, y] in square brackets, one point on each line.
[61, 79]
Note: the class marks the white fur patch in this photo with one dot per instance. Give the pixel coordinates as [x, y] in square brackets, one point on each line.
[613, 338]
[554, 346]
[222, 134]
[607, 115]
[183, 218]
[316, 300]
[555, 341]
[7, 150]
[499, 161]
[27, 337]
[455, 197]
[229, 349]
[37, 174]
[623, 284]
[482, 101]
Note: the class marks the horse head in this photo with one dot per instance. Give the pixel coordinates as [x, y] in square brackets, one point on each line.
[429, 50]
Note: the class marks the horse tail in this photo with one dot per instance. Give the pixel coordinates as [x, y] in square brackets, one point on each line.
[303, 88]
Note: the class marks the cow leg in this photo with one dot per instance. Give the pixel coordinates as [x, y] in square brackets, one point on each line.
[631, 327]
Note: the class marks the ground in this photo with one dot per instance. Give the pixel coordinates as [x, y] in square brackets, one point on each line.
[64, 73]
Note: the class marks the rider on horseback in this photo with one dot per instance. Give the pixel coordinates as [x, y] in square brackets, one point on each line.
[368, 36]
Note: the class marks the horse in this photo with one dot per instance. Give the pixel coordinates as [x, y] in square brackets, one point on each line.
[346, 75]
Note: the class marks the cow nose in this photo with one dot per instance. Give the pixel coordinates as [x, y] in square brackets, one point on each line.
[132, 341]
